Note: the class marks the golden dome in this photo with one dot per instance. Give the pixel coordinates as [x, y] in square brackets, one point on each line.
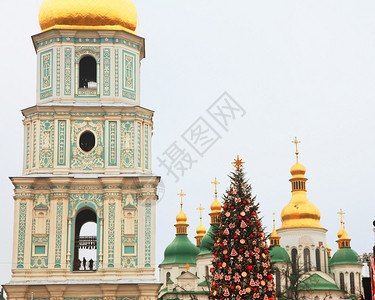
[274, 237]
[181, 218]
[215, 206]
[298, 170]
[299, 212]
[88, 14]
[201, 230]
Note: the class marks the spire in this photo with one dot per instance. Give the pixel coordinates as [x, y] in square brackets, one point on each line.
[344, 240]
[274, 237]
[296, 141]
[201, 230]
[215, 206]
[181, 226]
[328, 251]
[299, 212]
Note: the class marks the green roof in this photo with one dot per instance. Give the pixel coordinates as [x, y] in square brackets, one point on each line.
[205, 283]
[180, 251]
[316, 282]
[208, 240]
[169, 281]
[279, 254]
[345, 256]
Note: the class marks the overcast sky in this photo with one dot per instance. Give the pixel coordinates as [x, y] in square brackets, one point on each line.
[296, 68]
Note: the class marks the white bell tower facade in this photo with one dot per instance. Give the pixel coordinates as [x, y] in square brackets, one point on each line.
[87, 164]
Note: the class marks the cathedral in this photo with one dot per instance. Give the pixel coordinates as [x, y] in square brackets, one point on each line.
[299, 253]
[84, 221]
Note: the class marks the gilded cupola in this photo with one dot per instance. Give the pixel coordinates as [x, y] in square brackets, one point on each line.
[215, 206]
[201, 230]
[181, 218]
[274, 237]
[299, 212]
[88, 14]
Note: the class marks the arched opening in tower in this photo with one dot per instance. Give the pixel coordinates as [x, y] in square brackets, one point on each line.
[87, 73]
[85, 241]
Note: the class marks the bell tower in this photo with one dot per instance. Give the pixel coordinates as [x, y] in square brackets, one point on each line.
[84, 224]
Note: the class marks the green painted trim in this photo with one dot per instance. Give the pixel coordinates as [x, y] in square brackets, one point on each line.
[87, 41]
[317, 283]
[129, 78]
[106, 72]
[46, 71]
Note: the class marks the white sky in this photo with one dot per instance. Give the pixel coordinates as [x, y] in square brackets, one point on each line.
[304, 68]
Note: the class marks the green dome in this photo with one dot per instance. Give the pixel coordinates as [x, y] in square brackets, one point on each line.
[208, 240]
[279, 254]
[180, 251]
[345, 256]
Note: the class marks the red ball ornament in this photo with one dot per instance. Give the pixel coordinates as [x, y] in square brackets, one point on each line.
[215, 253]
[244, 202]
[266, 251]
[221, 245]
[259, 223]
[232, 207]
[220, 264]
[226, 256]
[232, 287]
[240, 217]
[247, 219]
[225, 207]
[261, 234]
[252, 254]
[269, 277]
[252, 213]
[249, 268]
[221, 232]
[251, 235]
[254, 289]
[235, 236]
[241, 250]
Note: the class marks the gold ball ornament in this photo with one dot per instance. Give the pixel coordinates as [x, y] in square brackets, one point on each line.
[243, 274]
[224, 264]
[242, 213]
[248, 290]
[263, 283]
[242, 241]
[227, 214]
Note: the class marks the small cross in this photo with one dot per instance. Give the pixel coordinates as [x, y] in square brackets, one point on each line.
[182, 195]
[296, 141]
[200, 208]
[238, 162]
[215, 183]
[341, 213]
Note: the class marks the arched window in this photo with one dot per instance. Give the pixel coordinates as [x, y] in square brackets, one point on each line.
[167, 277]
[294, 260]
[85, 241]
[278, 282]
[317, 257]
[306, 259]
[342, 282]
[352, 286]
[87, 72]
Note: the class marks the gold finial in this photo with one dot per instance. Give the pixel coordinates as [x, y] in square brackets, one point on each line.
[274, 226]
[341, 213]
[215, 183]
[182, 195]
[187, 266]
[296, 141]
[200, 208]
[238, 162]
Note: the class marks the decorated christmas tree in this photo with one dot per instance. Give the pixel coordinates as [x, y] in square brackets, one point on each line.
[241, 264]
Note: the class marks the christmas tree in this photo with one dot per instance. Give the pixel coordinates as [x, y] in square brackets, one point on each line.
[241, 264]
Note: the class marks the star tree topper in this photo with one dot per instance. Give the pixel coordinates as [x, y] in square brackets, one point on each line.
[238, 162]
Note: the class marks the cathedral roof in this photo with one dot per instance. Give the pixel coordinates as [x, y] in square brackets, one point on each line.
[279, 254]
[180, 251]
[345, 256]
[88, 14]
[317, 283]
